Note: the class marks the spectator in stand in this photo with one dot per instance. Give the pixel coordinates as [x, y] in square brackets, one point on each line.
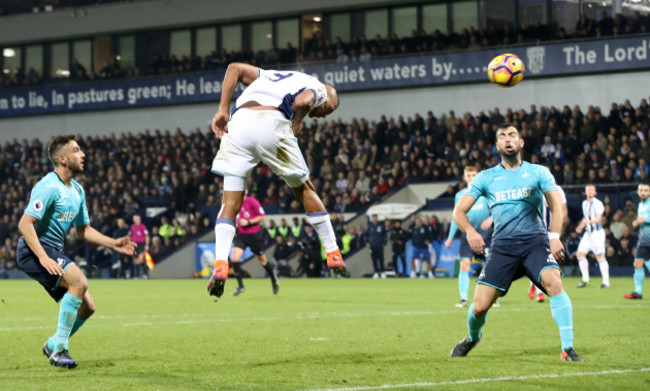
[625, 254]
[178, 228]
[360, 238]
[140, 236]
[272, 230]
[297, 228]
[341, 182]
[347, 239]
[631, 237]
[283, 228]
[166, 230]
[310, 259]
[156, 249]
[617, 226]
[363, 182]
[281, 255]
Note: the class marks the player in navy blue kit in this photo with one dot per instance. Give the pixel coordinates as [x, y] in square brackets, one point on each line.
[58, 202]
[521, 245]
[420, 239]
[643, 248]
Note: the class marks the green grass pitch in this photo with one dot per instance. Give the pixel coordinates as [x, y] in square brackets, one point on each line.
[353, 334]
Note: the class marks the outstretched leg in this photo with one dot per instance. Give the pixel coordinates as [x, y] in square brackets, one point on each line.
[319, 218]
[224, 232]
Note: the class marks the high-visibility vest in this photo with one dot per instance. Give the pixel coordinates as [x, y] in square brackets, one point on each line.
[295, 231]
[346, 240]
[166, 231]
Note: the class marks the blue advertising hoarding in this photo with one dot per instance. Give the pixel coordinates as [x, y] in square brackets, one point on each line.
[624, 54]
[205, 257]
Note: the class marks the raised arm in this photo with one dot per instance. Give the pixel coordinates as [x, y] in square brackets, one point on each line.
[237, 72]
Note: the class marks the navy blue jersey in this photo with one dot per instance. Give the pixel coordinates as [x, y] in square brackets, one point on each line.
[420, 235]
[376, 234]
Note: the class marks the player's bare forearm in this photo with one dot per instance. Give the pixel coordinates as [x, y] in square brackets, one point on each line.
[474, 239]
[460, 213]
[122, 245]
[554, 201]
[90, 234]
[237, 72]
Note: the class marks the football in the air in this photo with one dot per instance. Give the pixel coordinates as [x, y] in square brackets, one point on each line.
[506, 70]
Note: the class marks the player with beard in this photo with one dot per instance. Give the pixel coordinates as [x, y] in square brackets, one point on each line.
[521, 245]
[57, 202]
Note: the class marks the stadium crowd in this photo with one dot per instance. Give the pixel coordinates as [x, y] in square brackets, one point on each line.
[353, 165]
[318, 49]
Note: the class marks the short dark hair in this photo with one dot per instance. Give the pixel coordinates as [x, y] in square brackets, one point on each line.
[56, 145]
[506, 125]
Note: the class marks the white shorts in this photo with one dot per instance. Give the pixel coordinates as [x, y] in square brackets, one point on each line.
[261, 135]
[594, 242]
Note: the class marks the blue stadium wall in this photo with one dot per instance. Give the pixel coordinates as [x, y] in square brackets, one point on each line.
[600, 90]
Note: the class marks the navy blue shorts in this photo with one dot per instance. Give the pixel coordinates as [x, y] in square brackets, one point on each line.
[510, 260]
[466, 251]
[642, 252]
[420, 253]
[28, 262]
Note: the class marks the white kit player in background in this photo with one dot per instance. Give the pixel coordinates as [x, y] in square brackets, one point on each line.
[594, 238]
[533, 291]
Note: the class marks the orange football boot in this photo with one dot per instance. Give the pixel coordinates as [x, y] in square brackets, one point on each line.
[218, 280]
[335, 262]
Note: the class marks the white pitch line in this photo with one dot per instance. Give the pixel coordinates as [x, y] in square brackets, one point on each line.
[494, 379]
[162, 319]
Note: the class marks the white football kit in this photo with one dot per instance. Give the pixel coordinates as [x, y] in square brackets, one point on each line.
[593, 238]
[266, 135]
